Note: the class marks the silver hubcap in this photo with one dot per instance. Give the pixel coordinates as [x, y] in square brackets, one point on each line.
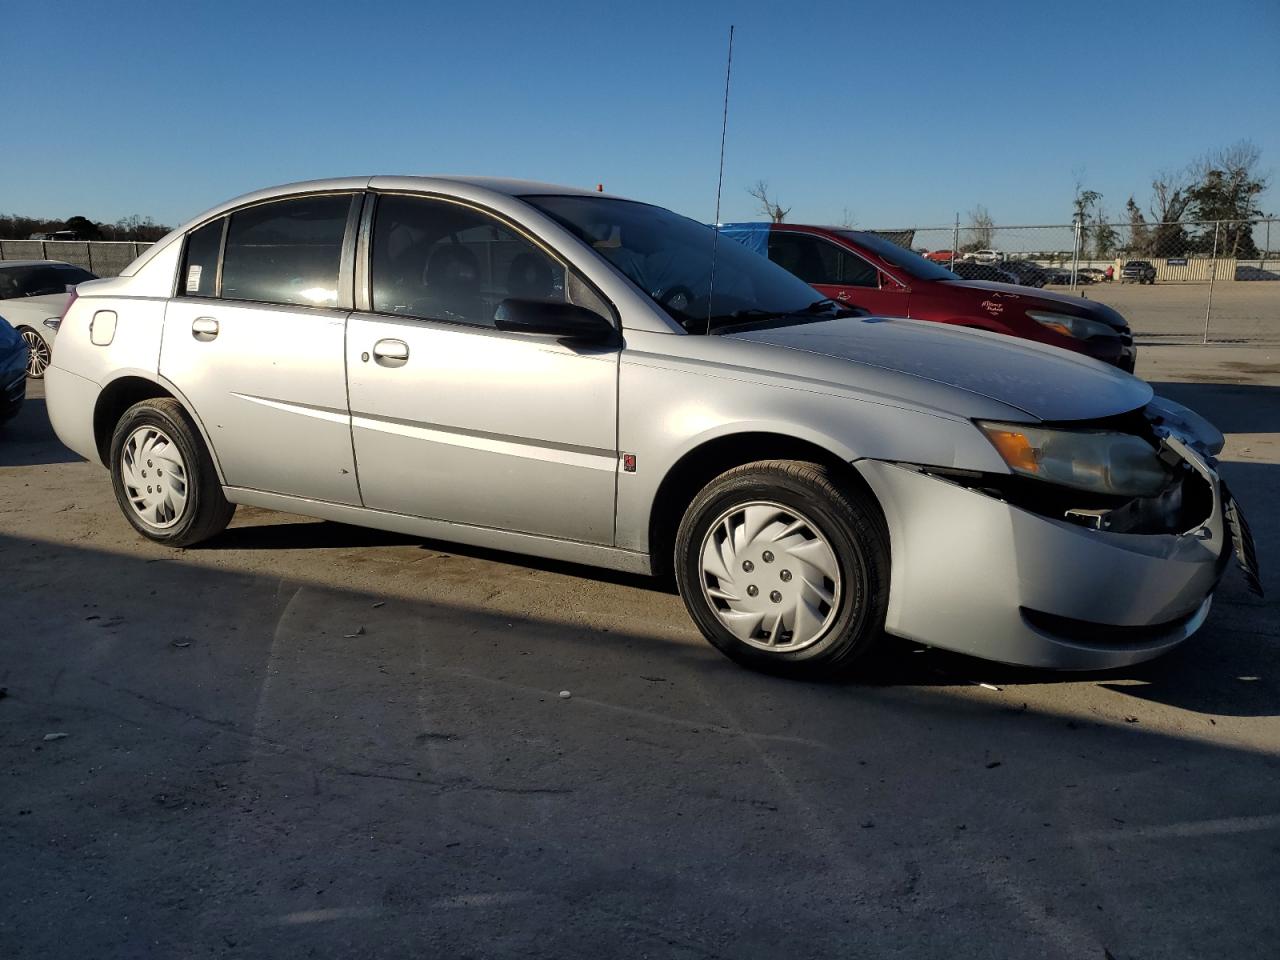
[37, 353]
[155, 477]
[770, 576]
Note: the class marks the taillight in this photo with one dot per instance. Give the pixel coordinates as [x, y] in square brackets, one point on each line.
[71, 298]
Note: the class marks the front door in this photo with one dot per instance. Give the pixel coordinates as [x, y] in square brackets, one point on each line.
[455, 420]
[838, 273]
[260, 355]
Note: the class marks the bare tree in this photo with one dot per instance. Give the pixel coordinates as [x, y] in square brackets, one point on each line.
[847, 219]
[768, 206]
[981, 230]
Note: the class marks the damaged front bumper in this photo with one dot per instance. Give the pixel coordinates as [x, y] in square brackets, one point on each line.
[980, 575]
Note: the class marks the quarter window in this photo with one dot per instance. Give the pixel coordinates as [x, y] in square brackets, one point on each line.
[287, 251]
[819, 261]
[199, 274]
[444, 261]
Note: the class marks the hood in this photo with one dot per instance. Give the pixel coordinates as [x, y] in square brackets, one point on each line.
[1044, 382]
[1031, 298]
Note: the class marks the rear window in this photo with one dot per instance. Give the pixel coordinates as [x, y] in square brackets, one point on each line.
[40, 280]
[287, 251]
[199, 274]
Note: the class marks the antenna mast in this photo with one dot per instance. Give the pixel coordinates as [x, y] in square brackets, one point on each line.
[724, 126]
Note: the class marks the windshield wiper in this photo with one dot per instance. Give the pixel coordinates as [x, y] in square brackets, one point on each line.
[824, 309]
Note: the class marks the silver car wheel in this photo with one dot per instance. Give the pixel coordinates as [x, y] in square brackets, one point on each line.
[38, 354]
[770, 576]
[154, 476]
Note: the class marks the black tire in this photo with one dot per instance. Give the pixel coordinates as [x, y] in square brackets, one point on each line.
[853, 525]
[206, 512]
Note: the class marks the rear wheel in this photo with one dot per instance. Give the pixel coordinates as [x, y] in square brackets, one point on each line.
[38, 353]
[785, 569]
[163, 476]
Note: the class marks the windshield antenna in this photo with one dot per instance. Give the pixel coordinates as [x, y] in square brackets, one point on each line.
[724, 126]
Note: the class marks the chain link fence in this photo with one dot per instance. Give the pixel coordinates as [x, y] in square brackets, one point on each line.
[1201, 281]
[105, 258]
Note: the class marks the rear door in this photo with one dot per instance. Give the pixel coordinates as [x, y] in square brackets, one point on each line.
[254, 339]
[837, 272]
[455, 420]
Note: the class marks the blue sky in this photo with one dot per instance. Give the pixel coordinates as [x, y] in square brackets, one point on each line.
[903, 113]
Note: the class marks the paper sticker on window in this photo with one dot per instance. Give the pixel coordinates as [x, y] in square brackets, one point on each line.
[193, 278]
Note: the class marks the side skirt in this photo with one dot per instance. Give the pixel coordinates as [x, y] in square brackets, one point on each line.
[569, 551]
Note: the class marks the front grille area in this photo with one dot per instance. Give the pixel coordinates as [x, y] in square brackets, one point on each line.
[1104, 634]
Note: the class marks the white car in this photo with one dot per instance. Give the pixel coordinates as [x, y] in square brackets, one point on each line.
[33, 297]
[984, 256]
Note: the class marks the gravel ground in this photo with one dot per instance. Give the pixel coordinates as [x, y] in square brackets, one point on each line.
[310, 740]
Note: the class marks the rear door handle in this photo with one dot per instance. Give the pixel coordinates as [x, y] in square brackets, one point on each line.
[204, 329]
[391, 353]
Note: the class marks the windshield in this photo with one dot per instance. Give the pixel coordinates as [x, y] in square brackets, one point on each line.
[669, 257]
[39, 280]
[908, 260]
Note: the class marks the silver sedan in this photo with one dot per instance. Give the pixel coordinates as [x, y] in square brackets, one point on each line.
[574, 375]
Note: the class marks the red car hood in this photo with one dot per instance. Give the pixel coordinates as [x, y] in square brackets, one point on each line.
[1029, 298]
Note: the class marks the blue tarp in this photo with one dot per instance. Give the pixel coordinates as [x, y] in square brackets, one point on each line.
[753, 236]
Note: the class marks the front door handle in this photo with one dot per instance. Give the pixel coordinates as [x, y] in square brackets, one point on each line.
[204, 329]
[391, 353]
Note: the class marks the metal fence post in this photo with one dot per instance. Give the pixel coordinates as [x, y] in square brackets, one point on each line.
[955, 241]
[44, 250]
[1075, 257]
[1213, 275]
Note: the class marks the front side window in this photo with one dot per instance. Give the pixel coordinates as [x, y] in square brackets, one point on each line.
[438, 260]
[286, 251]
[815, 260]
[199, 274]
[670, 258]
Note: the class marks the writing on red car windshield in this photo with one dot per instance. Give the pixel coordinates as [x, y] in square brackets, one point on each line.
[993, 306]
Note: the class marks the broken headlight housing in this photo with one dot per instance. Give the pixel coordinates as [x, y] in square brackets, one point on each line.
[1099, 461]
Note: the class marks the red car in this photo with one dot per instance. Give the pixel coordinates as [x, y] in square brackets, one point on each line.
[869, 271]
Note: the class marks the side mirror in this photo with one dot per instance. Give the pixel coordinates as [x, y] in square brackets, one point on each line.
[553, 319]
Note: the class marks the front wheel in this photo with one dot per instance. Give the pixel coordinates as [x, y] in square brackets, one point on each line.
[784, 568]
[38, 353]
[163, 476]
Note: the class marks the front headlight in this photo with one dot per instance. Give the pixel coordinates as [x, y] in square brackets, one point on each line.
[1097, 460]
[1080, 328]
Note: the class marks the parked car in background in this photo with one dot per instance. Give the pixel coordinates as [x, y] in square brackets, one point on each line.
[1059, 276]
[13, 371]
[33, 296]
[940, 256]
[1138, 271]
[57, 235]
[1025, 272]
[867, 270]
[983, 256]
[1093, 275]
[572, 375]
[969, 270]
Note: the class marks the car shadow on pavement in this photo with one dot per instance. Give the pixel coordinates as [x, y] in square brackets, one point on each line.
[28, 439]
[308, 534]
[1231, 407]
[280, 768]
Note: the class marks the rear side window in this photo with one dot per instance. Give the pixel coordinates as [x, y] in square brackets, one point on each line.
[199, 274]
[288, 251]
[443, 261]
